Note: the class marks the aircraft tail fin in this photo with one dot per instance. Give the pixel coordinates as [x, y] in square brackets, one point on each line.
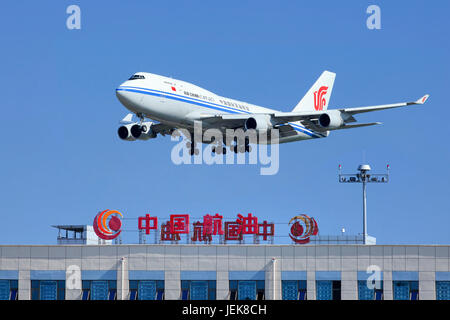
[318, 96]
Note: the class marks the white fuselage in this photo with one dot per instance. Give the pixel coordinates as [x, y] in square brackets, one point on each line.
[178, 103]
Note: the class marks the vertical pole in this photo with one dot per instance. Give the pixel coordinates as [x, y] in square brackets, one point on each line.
[274, 271]
[364, 212]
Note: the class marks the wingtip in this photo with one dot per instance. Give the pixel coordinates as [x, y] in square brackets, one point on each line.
[423, 99]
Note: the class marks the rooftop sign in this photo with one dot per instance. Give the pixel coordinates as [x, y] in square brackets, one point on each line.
[107, 225]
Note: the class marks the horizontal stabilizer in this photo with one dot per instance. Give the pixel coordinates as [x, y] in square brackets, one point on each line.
[350, 126]
[128, 119]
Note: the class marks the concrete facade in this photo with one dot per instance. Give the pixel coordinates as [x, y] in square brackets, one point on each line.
[310, 262]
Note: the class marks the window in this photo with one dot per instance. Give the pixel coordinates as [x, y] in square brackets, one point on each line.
[247, 289]
[366, 293]
[48, 289]
[324, 290]
[293, 289]
[146, 289]
[99, 290]
[136, 76]
[133, 294]
[406, 290]
[85, 295]
[184, 294]
[8, 289]
[328, 290]
[198, 289]
[442, 290]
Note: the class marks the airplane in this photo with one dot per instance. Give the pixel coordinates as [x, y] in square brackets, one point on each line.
[177, 104]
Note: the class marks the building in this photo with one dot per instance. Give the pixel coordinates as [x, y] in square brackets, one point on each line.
[173, 271]
[78, 234]
[343, 239]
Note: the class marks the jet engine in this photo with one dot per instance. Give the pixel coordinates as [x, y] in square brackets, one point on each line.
[124, 132]
[258, 122]
[332, 119]
[134, 131]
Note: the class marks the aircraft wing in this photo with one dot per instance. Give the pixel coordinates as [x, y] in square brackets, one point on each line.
[225, 121]
[348, 112]
[307, 118]
[162, 128]
[385, 106]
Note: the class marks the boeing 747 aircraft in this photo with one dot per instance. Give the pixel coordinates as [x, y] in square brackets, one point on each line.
[176, 104]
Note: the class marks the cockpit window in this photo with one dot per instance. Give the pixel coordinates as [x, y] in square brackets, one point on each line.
[136, 76]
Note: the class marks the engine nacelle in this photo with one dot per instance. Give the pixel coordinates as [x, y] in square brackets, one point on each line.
[146, 131]
[134, 131]
[258, 122]
[124, 132]
[332, 119]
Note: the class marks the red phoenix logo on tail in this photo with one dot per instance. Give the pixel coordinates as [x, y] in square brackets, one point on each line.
[319, 100]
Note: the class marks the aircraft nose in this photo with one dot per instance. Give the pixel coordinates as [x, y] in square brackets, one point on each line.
[121, 89]
[121, 94]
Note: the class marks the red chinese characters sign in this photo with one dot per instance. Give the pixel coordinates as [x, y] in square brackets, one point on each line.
[179, 223]
[147, 223]
[212, 225]
[302, 228]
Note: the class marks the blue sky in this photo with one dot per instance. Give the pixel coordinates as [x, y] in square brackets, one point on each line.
[62, 161]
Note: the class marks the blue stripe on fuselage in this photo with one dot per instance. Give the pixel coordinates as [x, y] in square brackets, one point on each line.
[176, 98]
[189, 98]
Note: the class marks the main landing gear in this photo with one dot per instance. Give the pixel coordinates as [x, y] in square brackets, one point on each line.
[241, 148]
[236, 148]
[192, 148]
[219, 150]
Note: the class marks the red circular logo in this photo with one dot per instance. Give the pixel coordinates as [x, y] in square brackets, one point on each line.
[107, 224]
[302, 228]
